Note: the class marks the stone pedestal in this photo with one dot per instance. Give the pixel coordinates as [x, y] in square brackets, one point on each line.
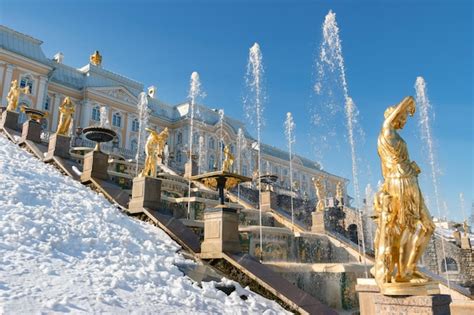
[190, 169]
[268, 202]
[372, 302]
[58, 146]
[318, 225]
[465, 242]
[31, 131]
[221, 232]
[95, 166]
[146, 193]
[9, 120]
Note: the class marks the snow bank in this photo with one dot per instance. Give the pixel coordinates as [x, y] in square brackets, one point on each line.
[64, 248]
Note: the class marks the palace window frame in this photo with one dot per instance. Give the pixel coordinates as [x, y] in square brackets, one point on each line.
[27, 80]
[117, 119]
[135, 125]
[96, 113]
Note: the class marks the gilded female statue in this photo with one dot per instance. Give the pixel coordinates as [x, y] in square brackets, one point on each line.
[66, 109]
[404, 223]
[14, 95]
[228, 160]
[153, 149]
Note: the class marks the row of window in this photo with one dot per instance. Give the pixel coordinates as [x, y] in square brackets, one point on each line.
[116, 119]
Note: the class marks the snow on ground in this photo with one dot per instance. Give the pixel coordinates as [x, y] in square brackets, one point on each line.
[64, 248]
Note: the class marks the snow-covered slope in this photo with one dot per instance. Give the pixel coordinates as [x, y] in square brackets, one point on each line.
[63, 248]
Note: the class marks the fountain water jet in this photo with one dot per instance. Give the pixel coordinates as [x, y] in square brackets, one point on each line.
[426, 134]
[331, 61]
[194, 93]
[143, 123]
[254, 110]
[290, 136]
[241, 146]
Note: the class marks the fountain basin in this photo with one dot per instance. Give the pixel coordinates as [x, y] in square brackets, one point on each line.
[34, 114]
[99, 134]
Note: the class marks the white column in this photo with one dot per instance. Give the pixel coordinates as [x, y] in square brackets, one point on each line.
[41, 93]
[55, 110]
[2, 71]
[7, 83]
[86, 112]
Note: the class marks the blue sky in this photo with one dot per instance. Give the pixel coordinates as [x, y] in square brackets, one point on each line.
[386, 45]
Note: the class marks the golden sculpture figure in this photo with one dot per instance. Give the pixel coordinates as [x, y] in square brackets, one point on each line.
[339, 193]
[154, 147]
[66, 109]
[14, 95]
[320, 192]
[228, 160]
[96, 58]
[404, 223]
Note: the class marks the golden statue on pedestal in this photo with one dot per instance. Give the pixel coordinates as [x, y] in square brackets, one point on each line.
[228, 160]
[66, 109]
[404, 223]
[96, 58]
[320, 192]
[154, 147]
[14, 95]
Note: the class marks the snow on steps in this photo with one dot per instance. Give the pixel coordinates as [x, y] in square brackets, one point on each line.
[64, 248]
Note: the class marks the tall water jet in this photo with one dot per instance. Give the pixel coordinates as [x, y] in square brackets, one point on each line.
[104, 117]
[254, 110]
[241, 146]
[425, 113]
[369, 202]
[200, 153]
[221, 136]
[290, 137]
[143, 122]
[461, 201]
[331, 65]
[194, 93]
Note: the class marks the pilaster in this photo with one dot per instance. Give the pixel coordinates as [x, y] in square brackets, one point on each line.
[7, 83]
[41, 92]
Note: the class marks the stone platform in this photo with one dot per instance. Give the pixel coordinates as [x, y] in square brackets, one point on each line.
[373, 302]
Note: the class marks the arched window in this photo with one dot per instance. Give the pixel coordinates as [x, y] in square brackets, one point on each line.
[135, 125]
[179, 138]
[211, 163]
[134, 145]
[449, 264]
[117, 142]
[117, 120]
[244, 170]
[96, 113]
[179, 157]
[26, 80]
[212, 143]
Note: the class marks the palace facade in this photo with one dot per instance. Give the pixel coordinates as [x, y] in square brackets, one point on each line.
[93, 87]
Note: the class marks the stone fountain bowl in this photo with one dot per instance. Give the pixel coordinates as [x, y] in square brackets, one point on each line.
[99, 134]
[33, 114]
[268, 179]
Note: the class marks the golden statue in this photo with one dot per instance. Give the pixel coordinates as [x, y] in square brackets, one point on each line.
[14, 95]
[66, 109]
[320, 192]
[339, 193]
[228, 160]
[154, 147]
[404, 225]
[96, 58]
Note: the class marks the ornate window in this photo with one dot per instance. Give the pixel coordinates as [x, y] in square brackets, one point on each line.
[244, 170]
[212, 143]
[117, 120]
[44, 124]
[179, 138]
[179, 157]
[211, 163]
[135, 125]
[449, 264]
[47, 101]
[26, 80]
[96, 113]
